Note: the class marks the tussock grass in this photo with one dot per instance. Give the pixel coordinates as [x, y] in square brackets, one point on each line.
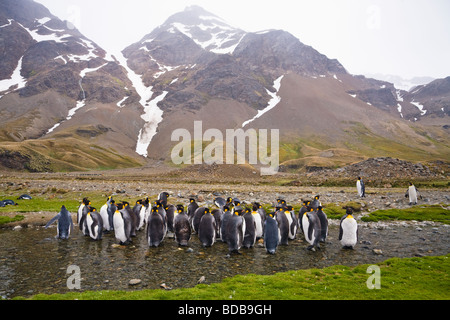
[424, 278]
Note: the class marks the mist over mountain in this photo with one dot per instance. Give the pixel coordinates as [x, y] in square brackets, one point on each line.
[57, 87]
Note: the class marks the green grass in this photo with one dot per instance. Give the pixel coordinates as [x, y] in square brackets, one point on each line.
[4, 219]
[424, 278]
[337, 211]
[435, 213]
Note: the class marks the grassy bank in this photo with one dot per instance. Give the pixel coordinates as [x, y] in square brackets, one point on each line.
[425, 278]
[435, 213]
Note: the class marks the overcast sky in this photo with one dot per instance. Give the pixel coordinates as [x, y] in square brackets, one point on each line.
[398, 37]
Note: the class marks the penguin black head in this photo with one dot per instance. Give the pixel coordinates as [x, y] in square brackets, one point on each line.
[410, 183]
[349, 211]
[359, 178]
[120, 206]
[289, 208]
[191, 200]
[226, 208]
[180, 208]
[319, 208]
[229, 200]
[238, 210]
[206, 211]
[248, 210]
[86, 201]
[317, 197]
[92, 209]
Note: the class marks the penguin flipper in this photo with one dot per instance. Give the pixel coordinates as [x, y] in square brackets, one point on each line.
[52, 220]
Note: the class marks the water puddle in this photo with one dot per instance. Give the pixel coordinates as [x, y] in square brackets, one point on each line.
[32, 261]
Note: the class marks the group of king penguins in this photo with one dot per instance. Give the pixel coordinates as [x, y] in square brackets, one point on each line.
[230, 222]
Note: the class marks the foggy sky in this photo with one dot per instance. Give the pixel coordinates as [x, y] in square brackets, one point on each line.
[399, 37]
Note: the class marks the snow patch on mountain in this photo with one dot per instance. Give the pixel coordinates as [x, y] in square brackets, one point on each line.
[153, 116]
[420, 107]
[80, 104]
[16, 80]
[272, 103]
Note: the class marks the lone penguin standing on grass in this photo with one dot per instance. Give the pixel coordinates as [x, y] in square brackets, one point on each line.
[412, 194]
[361, 187]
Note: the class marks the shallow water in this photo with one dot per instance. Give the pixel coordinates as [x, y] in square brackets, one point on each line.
[32, 261]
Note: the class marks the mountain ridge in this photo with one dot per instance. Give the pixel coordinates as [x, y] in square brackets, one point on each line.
[196, 67]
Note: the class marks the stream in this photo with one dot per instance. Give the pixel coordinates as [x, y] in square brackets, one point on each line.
[33, 261]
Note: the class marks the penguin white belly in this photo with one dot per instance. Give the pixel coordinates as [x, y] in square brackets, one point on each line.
[349, 232]
[142, 217]
[358, 187]
[104, 215]
[291, 234]
[412, 194]
[119, 227]
[80, 213]
[305, 223]
[259, 226]
[89, 223]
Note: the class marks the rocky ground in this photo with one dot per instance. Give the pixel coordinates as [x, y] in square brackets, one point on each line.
[205, 183]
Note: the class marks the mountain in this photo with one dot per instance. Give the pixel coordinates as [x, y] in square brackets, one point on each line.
[58, 87]
[326, 116]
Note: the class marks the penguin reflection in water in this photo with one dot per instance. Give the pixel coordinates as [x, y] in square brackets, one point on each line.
[65, 224]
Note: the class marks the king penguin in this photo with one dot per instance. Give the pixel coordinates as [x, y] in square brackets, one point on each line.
[207, 229]
[283, 224]
[65, 224]
[271, 234]
[250, 229]
[323, 224]
[360, 187]
[94, 223]
[301, 212]
[193, 205]
[111, 210]
[155, 228]
[235, 230]
[348, 230]
[83, 210]
[122, 225]
[312, 229]
[412, 194]
[316, 202]
[293, 222]
[259, 222]
[104, 214]
[198, 214]
[224, 222]
[182, 227]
